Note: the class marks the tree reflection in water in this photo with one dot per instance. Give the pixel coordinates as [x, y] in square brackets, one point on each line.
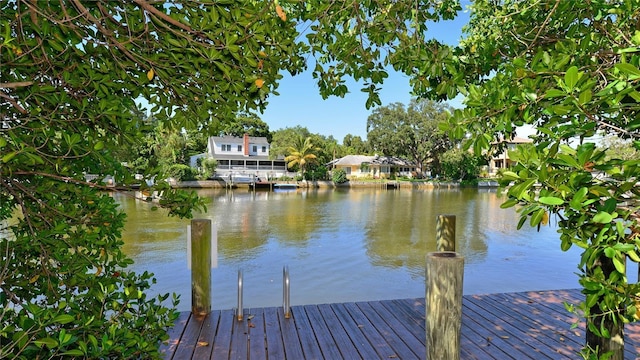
[347, 245]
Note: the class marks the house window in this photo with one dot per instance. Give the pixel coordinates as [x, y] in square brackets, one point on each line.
[255, 149]
[240, 148]
[264, 149]
[226, 147]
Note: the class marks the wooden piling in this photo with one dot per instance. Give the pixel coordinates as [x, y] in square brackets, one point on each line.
[200, 266]
[446, 233]
[443, 304]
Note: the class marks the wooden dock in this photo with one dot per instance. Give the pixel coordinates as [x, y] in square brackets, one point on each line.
[527, 325]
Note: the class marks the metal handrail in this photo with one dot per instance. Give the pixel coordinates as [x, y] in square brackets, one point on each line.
[286, 292]
[239, 309]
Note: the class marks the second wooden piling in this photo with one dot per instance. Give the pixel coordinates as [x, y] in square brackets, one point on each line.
[446, 233]
[200, 266]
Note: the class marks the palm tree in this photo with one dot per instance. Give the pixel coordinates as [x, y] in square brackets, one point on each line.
[301, 154]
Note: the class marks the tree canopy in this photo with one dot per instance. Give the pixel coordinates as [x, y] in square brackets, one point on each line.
[412, 132]
[570, 70]
[301, 154]
[73, 73]
[72, 77]
[244, 123]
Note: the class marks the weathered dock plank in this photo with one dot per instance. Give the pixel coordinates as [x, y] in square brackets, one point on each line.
[527, 325]
[208, 331]
[326, 342]
[337, 332]
[273, 334]
[257, 334]
[308, 340]
[222, 341]
[405, 345]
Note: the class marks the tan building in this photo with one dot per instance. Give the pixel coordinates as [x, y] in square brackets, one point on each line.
[377, 167]
[502, 160]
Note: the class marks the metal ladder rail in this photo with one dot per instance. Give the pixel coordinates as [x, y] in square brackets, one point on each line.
[286, 292]
[240, 293]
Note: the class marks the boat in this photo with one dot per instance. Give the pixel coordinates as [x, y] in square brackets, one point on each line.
[285, 186]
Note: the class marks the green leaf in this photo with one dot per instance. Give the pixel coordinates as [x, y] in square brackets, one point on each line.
[63, 319]
[571, 77]
[510, 175]
[553, 93]
[551, 200]
[585, 97]
[509, 203]
[74, 352]
[537, 217]
[602, 217]
[8, 157]
[630, 70]
[48, 342]
[618, 265]
[576, 200]
[610, 252]
[633, 255]
[561, 109]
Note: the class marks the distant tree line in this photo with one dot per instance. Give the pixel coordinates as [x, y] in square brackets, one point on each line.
[409, 132]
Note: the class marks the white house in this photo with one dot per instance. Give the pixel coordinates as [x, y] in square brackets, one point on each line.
[242, 157]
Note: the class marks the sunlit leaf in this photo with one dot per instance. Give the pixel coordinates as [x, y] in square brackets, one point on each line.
[571, 77]
[602, 217]
[551, 200]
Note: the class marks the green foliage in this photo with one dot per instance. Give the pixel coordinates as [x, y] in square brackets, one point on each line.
[354, 145]
[71, 74]
[542, 63]
[410, 133]
[458, 164]
[181, 172]
[301, 154]
[316, 172]
[246, 123]
[209, 166]
[76, 297]
[339, 176]
[285, 138]
[617, 148]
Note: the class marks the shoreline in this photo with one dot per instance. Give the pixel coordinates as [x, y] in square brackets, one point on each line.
[390, 184]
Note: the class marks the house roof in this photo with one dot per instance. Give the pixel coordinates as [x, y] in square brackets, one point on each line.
[244, 157]
[357, 160]
[354, 160]
[392, 160]
[256, 140]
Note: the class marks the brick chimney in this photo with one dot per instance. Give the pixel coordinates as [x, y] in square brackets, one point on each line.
[246, 144]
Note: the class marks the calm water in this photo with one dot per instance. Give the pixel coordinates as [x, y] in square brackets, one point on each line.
[346, 245]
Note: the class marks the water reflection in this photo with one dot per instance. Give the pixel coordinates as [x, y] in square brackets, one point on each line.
[346, 245]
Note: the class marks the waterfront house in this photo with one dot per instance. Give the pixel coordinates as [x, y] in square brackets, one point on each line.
[376, 167]
[501, 160]
[242, 157]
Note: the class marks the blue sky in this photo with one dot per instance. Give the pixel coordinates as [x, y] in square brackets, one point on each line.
[300, 103]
